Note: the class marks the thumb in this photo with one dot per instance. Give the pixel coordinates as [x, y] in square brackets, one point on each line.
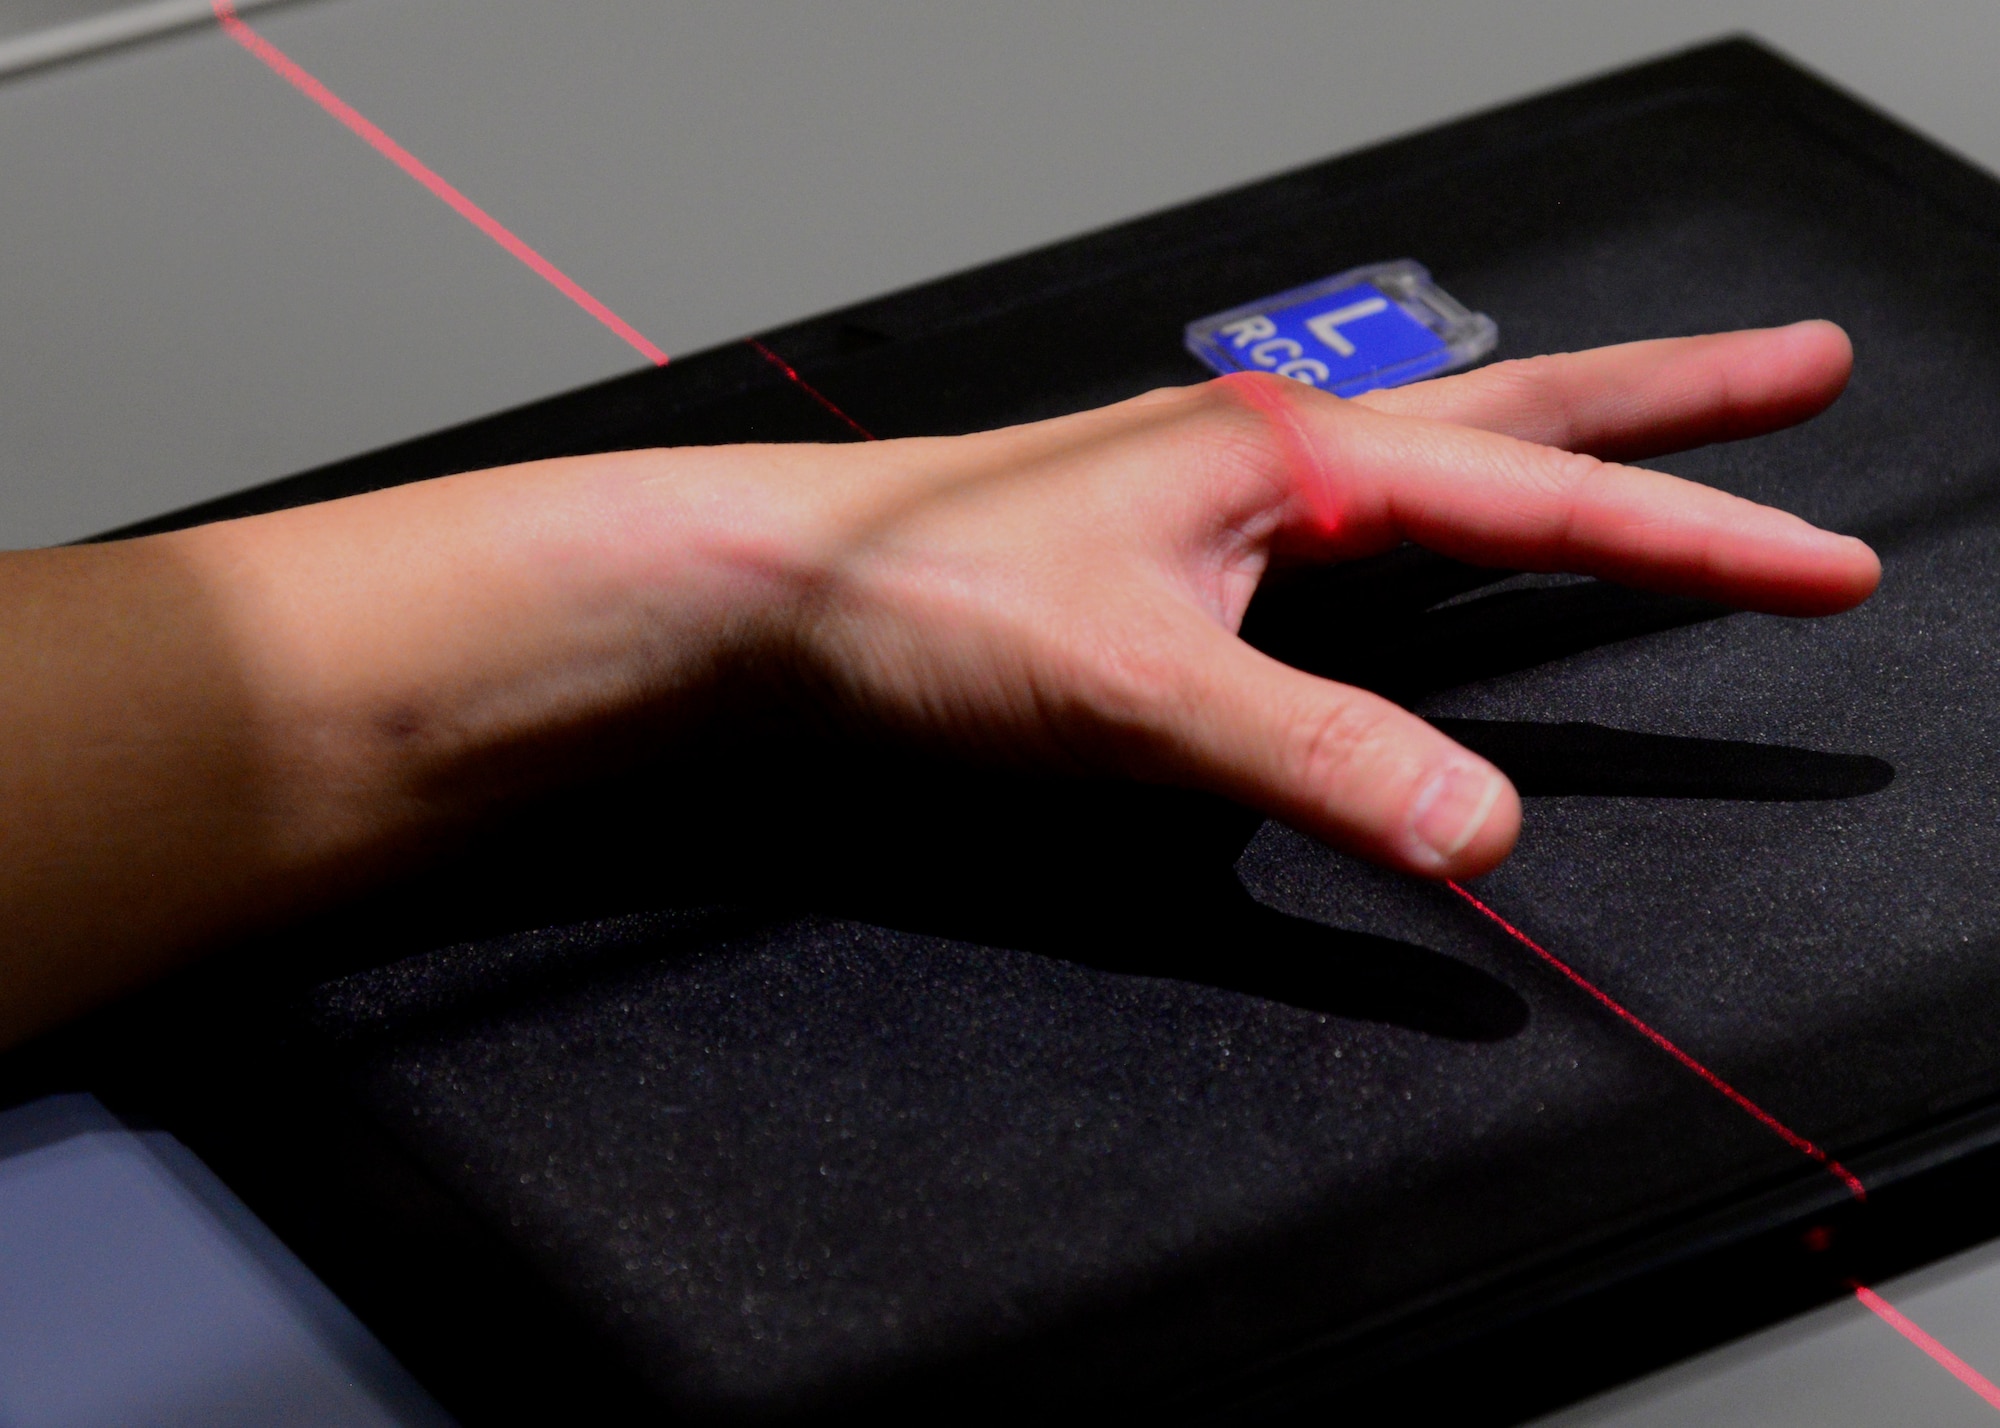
[1339, 763]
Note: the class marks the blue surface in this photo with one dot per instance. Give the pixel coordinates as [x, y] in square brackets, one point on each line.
[1348, 341]
[136, 1291]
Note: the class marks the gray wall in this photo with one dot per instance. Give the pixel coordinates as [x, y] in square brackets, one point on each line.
[205, 283]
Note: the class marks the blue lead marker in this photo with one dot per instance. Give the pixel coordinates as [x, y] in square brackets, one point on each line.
[1378, 326]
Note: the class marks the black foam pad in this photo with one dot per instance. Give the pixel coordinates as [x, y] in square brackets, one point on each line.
[823, 1077]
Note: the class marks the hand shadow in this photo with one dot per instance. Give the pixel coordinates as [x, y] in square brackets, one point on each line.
[1549, 760]
[1401, 624]
[1225, 938]
[1132, 880]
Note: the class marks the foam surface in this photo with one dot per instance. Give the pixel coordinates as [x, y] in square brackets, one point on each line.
[1111, 1091]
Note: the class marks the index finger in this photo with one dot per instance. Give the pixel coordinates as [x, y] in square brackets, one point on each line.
[1642, 399]
[1358, 481]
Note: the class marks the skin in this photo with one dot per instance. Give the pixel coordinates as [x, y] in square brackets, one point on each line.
[213, 731]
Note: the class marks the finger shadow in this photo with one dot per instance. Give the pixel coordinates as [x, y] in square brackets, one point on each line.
[1407, 623]
[1411, 623]
[1596, 760]
[1130, 880]
[1234, 943]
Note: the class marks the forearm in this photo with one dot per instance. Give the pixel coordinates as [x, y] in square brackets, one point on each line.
[210, 731]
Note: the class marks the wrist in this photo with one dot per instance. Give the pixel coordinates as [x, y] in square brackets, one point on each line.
[415, 657]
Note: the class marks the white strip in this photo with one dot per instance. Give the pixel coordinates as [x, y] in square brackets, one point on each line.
[100, 32]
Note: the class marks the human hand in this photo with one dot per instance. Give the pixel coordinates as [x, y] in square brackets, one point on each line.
[1067, 594]
[215, 730]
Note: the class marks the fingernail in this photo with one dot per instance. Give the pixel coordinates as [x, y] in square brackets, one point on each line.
[1452, 808]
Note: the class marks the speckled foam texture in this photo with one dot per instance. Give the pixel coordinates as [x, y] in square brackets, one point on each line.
[1043, 1095]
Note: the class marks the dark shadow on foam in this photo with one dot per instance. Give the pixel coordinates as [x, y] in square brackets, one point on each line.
[1233, 942]
[468, 980]
[1132, 881]
[1228, 941]
[1410, 623]
[1400, 624]
[1594, 759]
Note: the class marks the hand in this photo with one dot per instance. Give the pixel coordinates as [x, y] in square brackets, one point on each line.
[213, 731]
[1068, 593]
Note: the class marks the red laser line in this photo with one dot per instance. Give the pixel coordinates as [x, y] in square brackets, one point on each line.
[289, 70]
[1742, 1102]
[296, 75]
[1952, 1364]
[808, 388]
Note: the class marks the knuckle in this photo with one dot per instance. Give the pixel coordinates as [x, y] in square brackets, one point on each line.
[1168, 396]
[1568, 473]
[1137, 684]
[1251, 425]
[1535, 393]
[1256, 400]
[1329, 741]
[1126, 708]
